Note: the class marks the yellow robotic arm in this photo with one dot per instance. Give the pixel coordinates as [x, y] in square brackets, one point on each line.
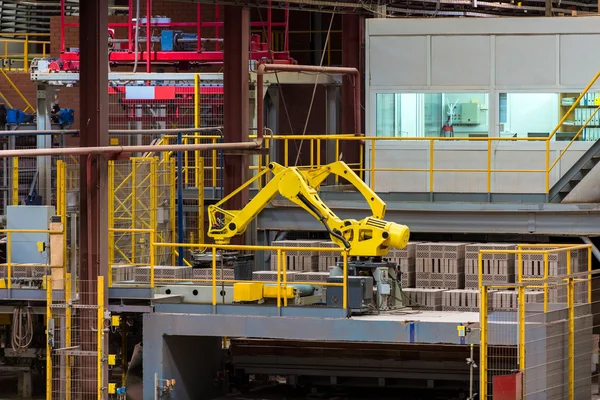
[369, 237]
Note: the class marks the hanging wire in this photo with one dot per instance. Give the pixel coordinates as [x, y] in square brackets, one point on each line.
[312, 100]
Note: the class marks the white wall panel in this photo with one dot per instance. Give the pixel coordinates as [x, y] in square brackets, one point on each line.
[579, 59]
[460, 60]
[398, 61]
[526, 60]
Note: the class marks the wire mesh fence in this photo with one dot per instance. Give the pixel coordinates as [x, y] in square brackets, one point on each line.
[540, 334]
[75, 329]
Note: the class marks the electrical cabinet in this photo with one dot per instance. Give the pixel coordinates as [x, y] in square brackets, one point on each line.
[24, 246]
[469, 114]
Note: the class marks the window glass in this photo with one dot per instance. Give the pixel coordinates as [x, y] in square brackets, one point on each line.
[432, 114]
[528, 114]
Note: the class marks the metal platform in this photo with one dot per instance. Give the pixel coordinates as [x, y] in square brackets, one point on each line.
[447, 217]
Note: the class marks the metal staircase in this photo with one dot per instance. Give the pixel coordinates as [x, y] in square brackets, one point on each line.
[575, 174]
[18, 16]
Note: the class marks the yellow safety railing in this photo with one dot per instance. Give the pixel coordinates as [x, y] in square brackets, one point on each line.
[16, 48]
[10, 264]
[523, 287]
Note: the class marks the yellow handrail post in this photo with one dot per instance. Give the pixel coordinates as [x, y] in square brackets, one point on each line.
[172, 214]
[49, 334]
[8, 260]
[153, 196]
[285, 152]
[547, 166]
[100, 335]
[483, 384]
[571, 304]
[111, 219]
[521, 299]
[431, 164]
[197, 124]
[26, 54]
[373, 156]
[489, 166]
[284, 267]
[546, 282]
[279, 280]
[15, 181]
[152, 258]
[133, 205]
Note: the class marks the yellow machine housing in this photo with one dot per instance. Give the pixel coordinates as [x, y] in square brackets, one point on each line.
[247, 292]
[369, 237]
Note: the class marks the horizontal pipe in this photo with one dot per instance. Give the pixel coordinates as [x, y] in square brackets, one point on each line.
[306, 68]
[111, 132]
[129, 149]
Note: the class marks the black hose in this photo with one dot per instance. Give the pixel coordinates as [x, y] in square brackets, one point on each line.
[322, 219]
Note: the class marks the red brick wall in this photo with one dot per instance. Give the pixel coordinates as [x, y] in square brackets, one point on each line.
[25, 85]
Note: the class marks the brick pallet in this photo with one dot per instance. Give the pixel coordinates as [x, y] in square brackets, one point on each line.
[533, 264]
[163, 274]
[207, 273]
[496, 269]
[123, 273]
[271, 276]
[327, 259]
[424, 299]
[440, 265]
[312, 276]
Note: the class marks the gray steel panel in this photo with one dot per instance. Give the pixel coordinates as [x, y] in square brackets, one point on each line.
[23, 246]
[130, 293]
[455, 218]
[29, 294]
[398, 61]
[250, 310]
[460, 60]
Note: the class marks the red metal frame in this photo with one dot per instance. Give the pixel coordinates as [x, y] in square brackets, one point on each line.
[259, 51]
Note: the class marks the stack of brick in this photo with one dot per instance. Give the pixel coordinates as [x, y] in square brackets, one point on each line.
[497, 269]
[271, 276]
[123, 273]
[163, 274]
[506, 300]
[405, 259]
[533, 267]
[462, 300]
[207, 274]
[440, 265]
[423, 299]
[297, 260]
[327, 259]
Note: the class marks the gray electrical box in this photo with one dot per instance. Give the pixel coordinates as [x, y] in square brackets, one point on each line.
[360, 292]
[469, 114]
[23, 246]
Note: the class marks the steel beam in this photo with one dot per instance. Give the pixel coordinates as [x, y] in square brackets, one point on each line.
[93, 243]
[45, 98]
[236, 107]
[542, 219]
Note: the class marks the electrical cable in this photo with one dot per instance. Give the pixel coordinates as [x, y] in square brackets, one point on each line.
[22, 336]
[312, 100]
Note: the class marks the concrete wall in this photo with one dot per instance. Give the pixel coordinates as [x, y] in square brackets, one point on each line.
[505, 55]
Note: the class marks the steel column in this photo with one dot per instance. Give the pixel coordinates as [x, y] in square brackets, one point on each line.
[45, 97]
[236, 94]
[352, 41]
[93, 170]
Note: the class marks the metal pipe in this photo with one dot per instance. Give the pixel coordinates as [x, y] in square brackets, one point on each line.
[262, 68]
[148, 34]
[34, 132]
[137, 34]
[595, 250]
[130, 149]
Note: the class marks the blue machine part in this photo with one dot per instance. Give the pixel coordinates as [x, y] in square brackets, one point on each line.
[17, 117]
[167, 40]
[66, 116]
